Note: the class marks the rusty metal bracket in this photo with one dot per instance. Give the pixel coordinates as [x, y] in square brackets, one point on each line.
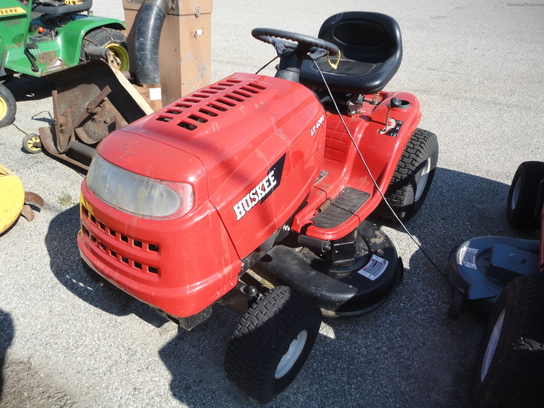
[91, 101]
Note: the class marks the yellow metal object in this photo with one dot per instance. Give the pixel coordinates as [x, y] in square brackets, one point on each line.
[334, 65]
[12, 198]
[120, 56]
[3, 107]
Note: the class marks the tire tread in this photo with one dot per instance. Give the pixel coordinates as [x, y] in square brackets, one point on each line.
[422, 144]
[515, 377]
[259, 334]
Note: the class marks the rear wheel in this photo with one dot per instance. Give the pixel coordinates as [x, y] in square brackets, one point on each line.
[412, 178]
[272, 342]
[521, 208]
[8, 106]
[508, 369]
[113, 40]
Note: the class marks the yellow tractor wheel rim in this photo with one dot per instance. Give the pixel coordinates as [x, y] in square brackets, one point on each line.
[31, 143]
[12, 198]
[121, 56]
[3, 108]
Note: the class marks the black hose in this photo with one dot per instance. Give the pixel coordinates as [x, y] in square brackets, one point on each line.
[146, 40]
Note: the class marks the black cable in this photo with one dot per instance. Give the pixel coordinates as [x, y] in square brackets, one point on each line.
[267, 64]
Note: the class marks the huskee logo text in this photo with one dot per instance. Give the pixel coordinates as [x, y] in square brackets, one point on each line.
[261, 191]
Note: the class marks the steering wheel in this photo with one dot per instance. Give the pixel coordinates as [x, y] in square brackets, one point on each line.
[304, 43]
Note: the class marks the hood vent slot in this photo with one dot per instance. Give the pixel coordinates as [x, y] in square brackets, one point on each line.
[195, 109]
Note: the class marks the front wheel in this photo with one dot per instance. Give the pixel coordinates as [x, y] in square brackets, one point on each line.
[508, 369]
[32, 143]
[412, 178]
[8, 107]
[113, 40]
[272, 342]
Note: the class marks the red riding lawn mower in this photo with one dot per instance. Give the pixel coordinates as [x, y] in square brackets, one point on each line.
[253, 192]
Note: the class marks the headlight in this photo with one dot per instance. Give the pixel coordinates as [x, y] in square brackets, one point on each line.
[139, 195]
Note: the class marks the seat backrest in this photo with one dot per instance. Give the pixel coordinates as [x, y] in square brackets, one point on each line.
[61, 7]
[364, 36]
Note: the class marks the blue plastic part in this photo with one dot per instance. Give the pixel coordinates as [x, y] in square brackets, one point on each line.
[480, 268]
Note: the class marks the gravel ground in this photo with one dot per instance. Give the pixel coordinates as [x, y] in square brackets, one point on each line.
[478, 69]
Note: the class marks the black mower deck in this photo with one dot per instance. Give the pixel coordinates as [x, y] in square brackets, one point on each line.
[340, 290]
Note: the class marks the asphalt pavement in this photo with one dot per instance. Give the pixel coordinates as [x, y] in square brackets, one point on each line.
[478, 70]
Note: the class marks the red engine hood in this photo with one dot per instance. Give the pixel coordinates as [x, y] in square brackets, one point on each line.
[226, 139]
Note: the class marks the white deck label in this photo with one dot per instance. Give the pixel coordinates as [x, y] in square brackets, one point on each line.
[467, 257]
[374, 268]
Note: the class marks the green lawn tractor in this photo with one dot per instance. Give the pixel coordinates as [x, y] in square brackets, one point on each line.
[38, 38]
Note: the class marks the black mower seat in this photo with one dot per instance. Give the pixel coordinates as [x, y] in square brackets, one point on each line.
[62, 7]
[371, 53]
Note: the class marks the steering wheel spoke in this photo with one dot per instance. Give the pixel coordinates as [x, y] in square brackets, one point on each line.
[303, 43]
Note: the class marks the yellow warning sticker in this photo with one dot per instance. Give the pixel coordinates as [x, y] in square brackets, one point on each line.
[10, 11]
